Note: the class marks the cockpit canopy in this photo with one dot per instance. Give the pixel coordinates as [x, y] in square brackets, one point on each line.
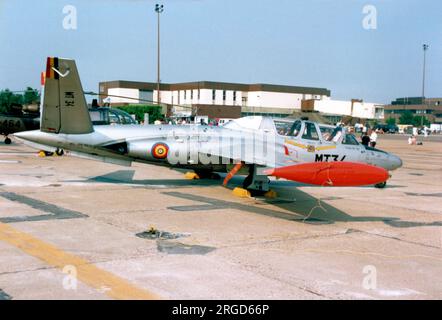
[313, 131]
[106, 116]
[295, 128]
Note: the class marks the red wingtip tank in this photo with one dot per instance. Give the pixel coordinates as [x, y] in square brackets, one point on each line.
[339, 174]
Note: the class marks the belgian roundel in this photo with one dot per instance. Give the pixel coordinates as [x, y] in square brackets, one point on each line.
[160, 150]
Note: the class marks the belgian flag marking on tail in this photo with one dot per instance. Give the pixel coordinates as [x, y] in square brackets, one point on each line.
[51, 64]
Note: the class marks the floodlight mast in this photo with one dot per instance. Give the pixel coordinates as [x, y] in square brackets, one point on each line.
[158, 9]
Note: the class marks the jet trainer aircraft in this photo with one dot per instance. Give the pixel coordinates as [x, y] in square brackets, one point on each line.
[14, 123]
[20, 118]
[10, 124]
[298, 150]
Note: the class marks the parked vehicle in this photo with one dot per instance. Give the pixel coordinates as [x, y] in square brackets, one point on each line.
[387, 128]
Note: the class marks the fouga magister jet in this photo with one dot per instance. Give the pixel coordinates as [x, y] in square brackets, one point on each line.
[259, 147]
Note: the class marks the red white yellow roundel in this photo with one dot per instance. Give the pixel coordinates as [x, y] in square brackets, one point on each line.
[160, 150]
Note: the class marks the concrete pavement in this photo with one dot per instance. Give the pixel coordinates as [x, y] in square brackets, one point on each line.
[70, 229]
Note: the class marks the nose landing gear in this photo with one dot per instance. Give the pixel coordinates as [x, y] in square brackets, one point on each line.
[381, 185]
[8, 140]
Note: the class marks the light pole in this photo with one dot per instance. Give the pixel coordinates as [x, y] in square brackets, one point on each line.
[158, 9]
[425, 47]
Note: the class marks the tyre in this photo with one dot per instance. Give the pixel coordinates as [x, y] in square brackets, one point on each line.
[204, 174]
[59, 152]
[381, 185]
[8, 140]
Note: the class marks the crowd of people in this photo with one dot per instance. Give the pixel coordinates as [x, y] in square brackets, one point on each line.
[184, 121]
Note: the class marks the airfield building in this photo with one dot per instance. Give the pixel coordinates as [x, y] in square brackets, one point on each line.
[430, 108]
[233, 100]
[216, 99]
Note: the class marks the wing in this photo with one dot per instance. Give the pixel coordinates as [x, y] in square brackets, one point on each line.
[253, 148]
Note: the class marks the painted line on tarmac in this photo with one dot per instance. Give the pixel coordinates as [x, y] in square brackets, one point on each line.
[55, 212]
[104, 281]
[13, 153]
[4, 295]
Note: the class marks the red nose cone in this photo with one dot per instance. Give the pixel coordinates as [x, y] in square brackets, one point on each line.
[339, 174]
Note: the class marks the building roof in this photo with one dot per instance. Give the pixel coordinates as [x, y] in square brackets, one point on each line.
[414, 107]
[214, 86]
[416, 101]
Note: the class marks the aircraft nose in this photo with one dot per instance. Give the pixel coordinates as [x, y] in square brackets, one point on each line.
[395, 161]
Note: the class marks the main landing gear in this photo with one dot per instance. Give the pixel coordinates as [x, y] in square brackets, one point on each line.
[58, 152]
[256, 183]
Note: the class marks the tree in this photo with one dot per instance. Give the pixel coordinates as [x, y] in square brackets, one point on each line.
[391, 121]
[8, 99]
[139, 111]
[31, 96]
[418, 121]
[406, 118]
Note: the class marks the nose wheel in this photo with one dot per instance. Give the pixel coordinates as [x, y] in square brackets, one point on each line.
[8, 140]
[381, 185]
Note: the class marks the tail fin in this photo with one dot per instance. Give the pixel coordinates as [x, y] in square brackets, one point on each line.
[64, 105]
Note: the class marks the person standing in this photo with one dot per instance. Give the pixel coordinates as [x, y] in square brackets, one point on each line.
[426, 132]
[415, 131]
[364, 130]
[373, 139]
[365, 139]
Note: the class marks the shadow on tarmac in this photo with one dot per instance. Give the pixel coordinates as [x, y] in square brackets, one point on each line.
[292, 204]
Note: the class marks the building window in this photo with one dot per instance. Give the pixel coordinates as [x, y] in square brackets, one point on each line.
[234, 96]
[199, 94]
[191, 94]
[213, 95]
[224, 95]
[185, 94]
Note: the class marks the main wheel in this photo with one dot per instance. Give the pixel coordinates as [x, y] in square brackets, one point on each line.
[59, 152]
[204, 174]
[8, 140]
[381, 185]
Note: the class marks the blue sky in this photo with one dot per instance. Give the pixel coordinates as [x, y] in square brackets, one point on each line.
[317, 43]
